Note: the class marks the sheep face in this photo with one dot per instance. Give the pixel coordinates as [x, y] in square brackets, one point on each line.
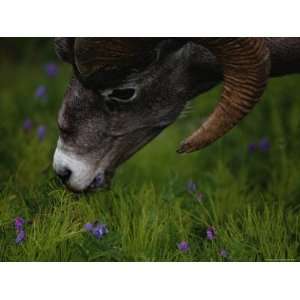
[101, 128]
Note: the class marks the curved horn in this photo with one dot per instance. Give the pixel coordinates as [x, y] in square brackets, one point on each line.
[107, 54]
[246, 67]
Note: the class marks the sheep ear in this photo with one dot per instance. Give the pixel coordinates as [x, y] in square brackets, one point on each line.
[64, 48]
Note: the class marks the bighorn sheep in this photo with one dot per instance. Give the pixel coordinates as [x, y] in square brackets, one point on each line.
[125, 91]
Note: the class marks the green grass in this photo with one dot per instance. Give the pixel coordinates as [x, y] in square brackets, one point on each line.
[252, 200]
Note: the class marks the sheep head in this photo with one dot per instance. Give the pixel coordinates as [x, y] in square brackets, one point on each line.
[125, 91]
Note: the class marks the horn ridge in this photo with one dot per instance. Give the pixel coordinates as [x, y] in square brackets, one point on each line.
[246, 66]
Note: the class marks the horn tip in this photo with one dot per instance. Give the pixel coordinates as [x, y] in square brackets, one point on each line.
[185, 147]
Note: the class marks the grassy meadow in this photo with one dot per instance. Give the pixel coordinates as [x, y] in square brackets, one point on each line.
[244, 189]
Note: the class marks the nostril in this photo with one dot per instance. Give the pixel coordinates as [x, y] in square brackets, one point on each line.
[64, 175]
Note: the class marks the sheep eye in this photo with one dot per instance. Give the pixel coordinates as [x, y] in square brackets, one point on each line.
[121, 95]
[119, 99]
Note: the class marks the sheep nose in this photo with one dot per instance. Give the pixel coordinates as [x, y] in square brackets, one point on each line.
[64, 175]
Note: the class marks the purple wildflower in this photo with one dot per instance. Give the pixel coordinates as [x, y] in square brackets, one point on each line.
[51, 69]
[223, 253]
[19, 223]
[41, 132]
[21, 236]
[41, 92]
[88, 227]
[99, 231]
[264, 144]
[210, 233]
[27, 125]
[191, 187]
[252, 147]
[183, 246]
[98, 181]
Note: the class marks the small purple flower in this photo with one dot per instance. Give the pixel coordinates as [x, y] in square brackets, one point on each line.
[19, 226]
[183, 246]
[21, 236]
[88, 227]
[41, 92]
[27, 125]
[98, 181]
[223, 253]
[264, 144]
[19, 223]
[51, 69]
[252, 147]
[96, 229]
[41, 132]
[191, 187]
[99, 231]
[210, 233]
